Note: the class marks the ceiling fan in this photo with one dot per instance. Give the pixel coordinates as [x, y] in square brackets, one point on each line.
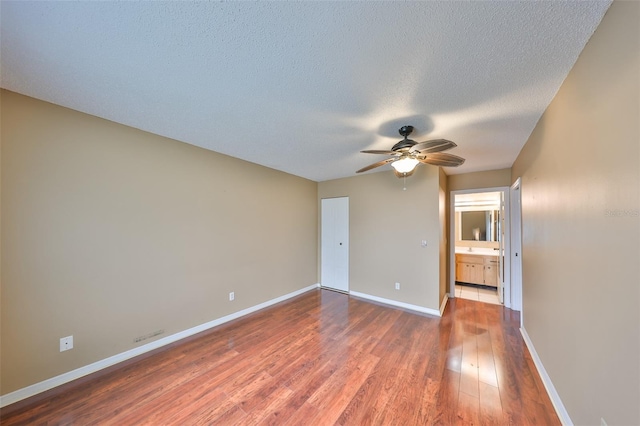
[407, 154]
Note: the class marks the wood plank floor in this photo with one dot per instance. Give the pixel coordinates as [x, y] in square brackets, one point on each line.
[322, 358]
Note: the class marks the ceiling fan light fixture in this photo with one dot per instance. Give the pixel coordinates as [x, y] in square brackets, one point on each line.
[405, 165]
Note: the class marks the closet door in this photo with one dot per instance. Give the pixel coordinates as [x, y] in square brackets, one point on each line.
[334, 243]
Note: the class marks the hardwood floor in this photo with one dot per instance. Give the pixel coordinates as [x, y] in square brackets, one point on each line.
[322, 358]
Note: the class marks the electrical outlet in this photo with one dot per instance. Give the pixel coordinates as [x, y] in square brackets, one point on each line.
[423, 243]
[66, 343]
[232, 296]
[397, 286]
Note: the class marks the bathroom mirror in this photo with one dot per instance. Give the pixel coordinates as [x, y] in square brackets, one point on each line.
[480, 225]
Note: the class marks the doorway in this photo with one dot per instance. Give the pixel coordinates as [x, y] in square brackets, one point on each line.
[480, 248]
[334, 243]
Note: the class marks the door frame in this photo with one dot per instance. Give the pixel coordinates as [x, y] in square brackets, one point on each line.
[515, 201]
[506, 270]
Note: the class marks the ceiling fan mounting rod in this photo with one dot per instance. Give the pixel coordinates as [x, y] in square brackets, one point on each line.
[405, 143]
[405, 131]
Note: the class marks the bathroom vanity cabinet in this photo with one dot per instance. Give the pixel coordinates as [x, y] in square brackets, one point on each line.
[477, 269]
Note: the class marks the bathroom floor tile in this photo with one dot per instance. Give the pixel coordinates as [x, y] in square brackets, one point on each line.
[478, 294]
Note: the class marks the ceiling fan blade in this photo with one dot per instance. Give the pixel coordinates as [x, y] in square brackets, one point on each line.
[435, 145]
[441, 159]
[379, 151]
[378, 164]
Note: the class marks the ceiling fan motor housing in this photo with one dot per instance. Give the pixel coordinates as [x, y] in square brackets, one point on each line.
[404, 143]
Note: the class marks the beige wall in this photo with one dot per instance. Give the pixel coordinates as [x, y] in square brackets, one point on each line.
[109, 233]
[386, 226]
[479, 180]
[581, 228]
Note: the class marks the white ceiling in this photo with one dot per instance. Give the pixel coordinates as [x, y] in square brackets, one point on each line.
[302, 87]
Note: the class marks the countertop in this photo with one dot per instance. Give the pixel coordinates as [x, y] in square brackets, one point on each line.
[480, 251]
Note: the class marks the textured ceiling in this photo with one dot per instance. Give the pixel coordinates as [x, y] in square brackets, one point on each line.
[302, 87]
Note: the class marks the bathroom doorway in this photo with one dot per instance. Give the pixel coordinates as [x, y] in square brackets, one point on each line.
[480, 249]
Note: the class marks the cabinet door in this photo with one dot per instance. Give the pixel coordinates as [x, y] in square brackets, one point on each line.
[465, 273]
[460, 271]
[471, 273]
[476, 274]
[491, 275]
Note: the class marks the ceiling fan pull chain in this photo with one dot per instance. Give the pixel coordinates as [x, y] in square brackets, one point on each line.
[404, 179]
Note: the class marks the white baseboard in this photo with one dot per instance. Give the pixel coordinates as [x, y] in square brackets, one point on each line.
[396, 303]
[444, 303]
[546, 380]
[51, 383]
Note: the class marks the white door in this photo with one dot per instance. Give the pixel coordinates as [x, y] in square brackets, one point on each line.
[334, 242]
